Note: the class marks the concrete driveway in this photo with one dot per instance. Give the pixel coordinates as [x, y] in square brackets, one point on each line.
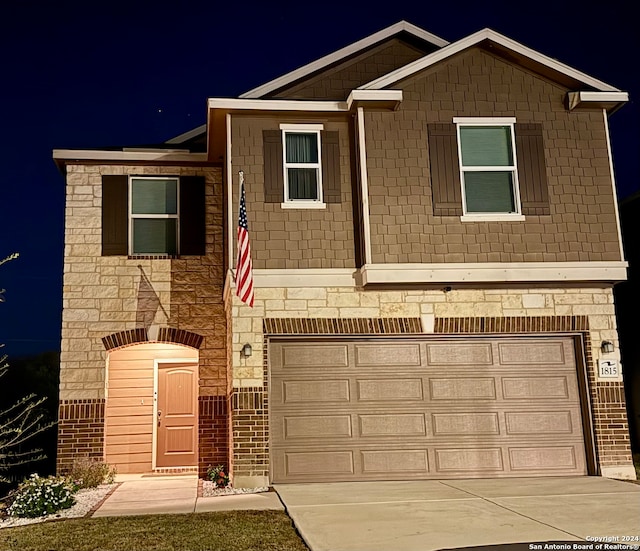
[428, 515]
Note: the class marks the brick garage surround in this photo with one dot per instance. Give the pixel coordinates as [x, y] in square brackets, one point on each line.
[80, 432]
[588, 312]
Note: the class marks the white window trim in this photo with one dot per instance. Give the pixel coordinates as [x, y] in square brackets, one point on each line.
[302, 203]
[516, 216]
[133, 216]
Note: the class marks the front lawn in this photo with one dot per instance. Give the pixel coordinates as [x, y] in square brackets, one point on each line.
[224, 531]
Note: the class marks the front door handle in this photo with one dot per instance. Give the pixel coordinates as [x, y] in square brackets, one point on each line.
[159, 414]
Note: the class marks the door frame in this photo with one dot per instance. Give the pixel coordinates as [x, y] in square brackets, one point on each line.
[156, 366]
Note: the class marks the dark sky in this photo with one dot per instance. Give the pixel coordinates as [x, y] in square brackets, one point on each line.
[87, 74]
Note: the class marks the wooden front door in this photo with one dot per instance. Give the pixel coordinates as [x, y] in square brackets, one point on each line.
[177, 415]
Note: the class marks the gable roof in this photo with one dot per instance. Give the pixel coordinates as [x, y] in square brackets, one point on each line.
[343, 53]
[525, 56]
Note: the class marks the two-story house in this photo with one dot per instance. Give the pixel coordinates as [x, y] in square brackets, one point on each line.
[434, 236]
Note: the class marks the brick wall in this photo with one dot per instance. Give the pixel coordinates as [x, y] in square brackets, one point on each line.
[341, 310]
[102, 295]
[80, 431]
[582, 224]
[213, 437]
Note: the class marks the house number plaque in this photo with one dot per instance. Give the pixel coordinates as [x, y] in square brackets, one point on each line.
[608, 369]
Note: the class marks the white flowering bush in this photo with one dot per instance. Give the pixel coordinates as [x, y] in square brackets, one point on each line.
[38, 496]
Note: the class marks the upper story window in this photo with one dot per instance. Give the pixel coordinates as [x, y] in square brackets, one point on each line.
[159, 216]
[154, 216]
[488, 169]
[302, 163]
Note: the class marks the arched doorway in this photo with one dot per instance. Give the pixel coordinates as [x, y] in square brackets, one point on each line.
[151, 415]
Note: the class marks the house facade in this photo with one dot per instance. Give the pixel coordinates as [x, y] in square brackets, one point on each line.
[435, 239]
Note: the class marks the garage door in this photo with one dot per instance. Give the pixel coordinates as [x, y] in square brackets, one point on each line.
[385, 409]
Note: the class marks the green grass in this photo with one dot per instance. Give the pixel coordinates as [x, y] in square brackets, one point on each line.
[224, 531]
[636, 462]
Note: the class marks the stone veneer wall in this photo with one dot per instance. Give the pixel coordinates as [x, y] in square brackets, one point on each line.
[101, 297]
[586, 310]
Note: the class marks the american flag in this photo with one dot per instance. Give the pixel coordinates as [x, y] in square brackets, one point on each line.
[244, 269]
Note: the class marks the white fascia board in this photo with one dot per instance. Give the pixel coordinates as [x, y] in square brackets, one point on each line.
[473, 39]
[576, 98]
[235, 104]
[124, 156]
[343, 53]
[513, 272]
[312, 277]
[387, 96]
[188, 135]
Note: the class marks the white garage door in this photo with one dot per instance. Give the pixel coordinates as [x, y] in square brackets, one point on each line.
[385, 409]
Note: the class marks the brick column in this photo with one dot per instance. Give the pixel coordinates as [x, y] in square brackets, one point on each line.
[80, 431]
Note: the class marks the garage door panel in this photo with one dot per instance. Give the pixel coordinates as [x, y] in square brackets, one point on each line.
[551, 458]
[462, 354]
[297, 356]
[370, 390]
[381, 425]
[320, 390]
[552, 386]
[469, 460]
[541, 422]
[317, 426]
[536, 355]
[466, 388]
[465, 424]
[381, 462]
[374, 355]
[378, 421]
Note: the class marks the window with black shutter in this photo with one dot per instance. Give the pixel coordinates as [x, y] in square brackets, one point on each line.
[153, 215]
[301, 166]
[483, 169]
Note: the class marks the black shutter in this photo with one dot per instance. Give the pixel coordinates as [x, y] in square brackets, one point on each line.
[273, 169]
[532, 173]
[445, 170]
[192, 215]
[115, 215]
[331, 167]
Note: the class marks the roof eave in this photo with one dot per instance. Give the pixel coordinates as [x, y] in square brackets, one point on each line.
[494, 38]
[343, 53]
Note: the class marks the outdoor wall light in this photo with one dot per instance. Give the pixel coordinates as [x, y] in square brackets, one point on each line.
[606, 347]
[247, 350]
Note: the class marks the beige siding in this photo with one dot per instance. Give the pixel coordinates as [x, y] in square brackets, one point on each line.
[298, 238]
[581, 226]
[130, 397]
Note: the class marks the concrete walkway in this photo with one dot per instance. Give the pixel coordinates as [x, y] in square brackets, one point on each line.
[139, 495]
[431, 515]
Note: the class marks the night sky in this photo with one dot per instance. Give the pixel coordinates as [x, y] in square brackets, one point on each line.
[94, 74]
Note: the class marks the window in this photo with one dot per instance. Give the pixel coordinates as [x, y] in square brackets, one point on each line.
[153, 216]
[516, 151]
[157, 215]
[488, 171]
[302, 164]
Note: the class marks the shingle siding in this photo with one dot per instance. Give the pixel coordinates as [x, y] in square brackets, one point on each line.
[581, 225]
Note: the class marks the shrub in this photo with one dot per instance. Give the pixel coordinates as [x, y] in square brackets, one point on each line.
[89, 473]
[218, 475]
[37, 496]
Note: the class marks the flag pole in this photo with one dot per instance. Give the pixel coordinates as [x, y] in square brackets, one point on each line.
[234, 273]
[244, 265]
